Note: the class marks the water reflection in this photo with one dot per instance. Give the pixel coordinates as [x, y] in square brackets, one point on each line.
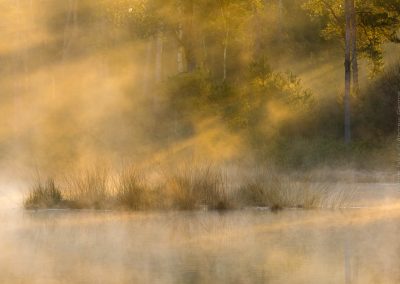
[249, 246]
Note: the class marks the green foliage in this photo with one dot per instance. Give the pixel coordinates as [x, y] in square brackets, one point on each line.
[378, 22]
[376, 110]
[272, 111]
[244, 105]
[141, 17]
[276, 116]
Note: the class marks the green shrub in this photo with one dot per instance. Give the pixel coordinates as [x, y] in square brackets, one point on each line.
[376, 107]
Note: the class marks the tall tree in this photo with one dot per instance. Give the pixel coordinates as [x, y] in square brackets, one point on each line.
[225, 18]
[354, 53]
[180, 50]
[364, 29]
[188, 36]
[159, 56]
[71, 26]
[347, 66]
[376, 23]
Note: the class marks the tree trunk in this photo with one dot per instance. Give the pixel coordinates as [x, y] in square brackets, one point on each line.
[70, 26]
[159, 55]
[354, 60]
[188, 36]
[179, 57]
[149, 51]
[226, 42]
[205, 53]
[347, 67]
[280, 15]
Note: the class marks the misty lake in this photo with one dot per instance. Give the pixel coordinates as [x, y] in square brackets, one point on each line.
[358, 245]
[183, 141]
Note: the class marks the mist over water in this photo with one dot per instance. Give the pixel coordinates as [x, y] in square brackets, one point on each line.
[244, 246]
[185, 247]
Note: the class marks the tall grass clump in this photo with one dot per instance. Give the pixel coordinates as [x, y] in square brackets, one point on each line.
[197, 186]
[89, 189]
[189, 187]
[131, 191]
[277, 191]
[44, 195]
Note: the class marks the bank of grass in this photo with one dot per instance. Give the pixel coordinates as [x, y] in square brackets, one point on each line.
[87, 189]
[131, 191]
[44, 195]
[277, 191]
[200, 186]
[188, 187]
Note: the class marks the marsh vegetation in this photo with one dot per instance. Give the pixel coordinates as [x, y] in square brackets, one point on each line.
[188, 187]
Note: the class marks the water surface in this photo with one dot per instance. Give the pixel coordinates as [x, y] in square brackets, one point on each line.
[245, 246]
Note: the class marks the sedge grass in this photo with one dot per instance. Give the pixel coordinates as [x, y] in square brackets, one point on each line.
[188, 187]
[44, 195]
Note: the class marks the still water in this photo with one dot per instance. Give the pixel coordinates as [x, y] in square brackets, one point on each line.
[358, 245]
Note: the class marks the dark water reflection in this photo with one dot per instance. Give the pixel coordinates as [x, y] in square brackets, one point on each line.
[248, 246]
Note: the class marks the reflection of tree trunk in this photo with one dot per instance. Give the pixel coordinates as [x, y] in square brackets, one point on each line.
[70, 26]
[159, 55]
[347, 66]
[354, 60]
[347, 262]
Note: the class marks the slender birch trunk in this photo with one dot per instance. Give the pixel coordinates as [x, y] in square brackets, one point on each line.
[159, 56]
[70, 26]
[149, 52]
[226, 42]
[205, 53]
[280, 15]
[179, 56]
[354, 61]
[188, 36]
[347, 67]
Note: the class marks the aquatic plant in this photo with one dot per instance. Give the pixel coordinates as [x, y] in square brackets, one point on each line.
[187, 187]
[131, 191]
[43, 195]
[88, 189]
[196, 186]
[267, 188]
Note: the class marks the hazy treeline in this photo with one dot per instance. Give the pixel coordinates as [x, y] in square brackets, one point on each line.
[147, 80]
